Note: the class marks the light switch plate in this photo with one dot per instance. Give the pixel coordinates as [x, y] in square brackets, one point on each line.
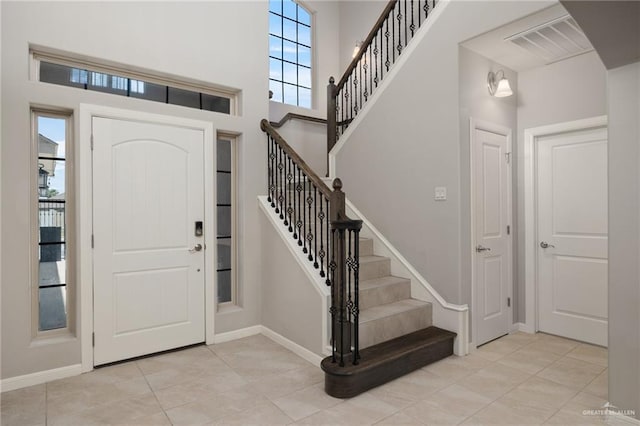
[440, 193]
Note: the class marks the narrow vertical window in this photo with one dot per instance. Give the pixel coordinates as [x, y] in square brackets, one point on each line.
[52, 193]
[225, 194]
[290, 53]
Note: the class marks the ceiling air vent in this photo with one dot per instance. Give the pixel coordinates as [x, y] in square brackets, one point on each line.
[553, 41]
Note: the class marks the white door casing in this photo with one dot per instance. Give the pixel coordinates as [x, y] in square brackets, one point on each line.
[491, 223]
[572, 234]
[148, 191]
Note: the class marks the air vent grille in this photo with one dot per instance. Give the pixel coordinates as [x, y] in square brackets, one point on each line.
[553, 41]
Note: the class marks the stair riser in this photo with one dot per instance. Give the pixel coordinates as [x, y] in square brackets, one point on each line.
[375, 269]
[387, 294]
[386, 328]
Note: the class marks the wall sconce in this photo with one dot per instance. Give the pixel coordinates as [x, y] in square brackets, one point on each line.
[356, 49]
[498, 84]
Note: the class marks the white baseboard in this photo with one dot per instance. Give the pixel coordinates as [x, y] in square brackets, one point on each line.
[620, 420]
[237, 334]
[40, 377]
[520, 326]
[301, 351]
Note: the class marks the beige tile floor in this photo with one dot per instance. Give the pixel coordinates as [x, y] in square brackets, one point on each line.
[518, 379]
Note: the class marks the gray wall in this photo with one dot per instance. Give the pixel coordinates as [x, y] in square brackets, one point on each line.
[356, 20]
[475, 102]
[624, 237]
[178, 39]
[568, 90]
[409, 142]
[291, 306]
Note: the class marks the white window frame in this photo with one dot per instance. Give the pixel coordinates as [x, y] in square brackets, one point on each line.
[234, 302]
[39, 54]
[70, 228]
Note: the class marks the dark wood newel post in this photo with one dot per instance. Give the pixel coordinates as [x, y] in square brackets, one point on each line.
[332, 126]
[341, 326]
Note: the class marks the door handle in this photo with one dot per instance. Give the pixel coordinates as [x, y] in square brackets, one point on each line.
[479, 248]
[196, 248]
[544, 244]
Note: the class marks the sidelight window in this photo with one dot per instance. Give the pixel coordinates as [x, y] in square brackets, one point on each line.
[53, 195]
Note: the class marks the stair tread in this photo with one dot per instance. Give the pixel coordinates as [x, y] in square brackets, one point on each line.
[386, 352]
[372, 258]
[389, 309]
[382, 281]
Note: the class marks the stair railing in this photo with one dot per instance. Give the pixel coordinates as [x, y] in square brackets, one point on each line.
[391, 33]
[316, 217]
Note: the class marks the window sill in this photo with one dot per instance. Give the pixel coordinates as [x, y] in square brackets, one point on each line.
[53, 338]
[228, 307]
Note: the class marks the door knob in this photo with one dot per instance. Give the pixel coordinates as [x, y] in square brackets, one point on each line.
[479, 248]
[196, 248]
[544, 244]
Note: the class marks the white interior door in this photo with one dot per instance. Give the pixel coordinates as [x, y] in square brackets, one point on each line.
[491, 165]
[572, 235]
[148, 192]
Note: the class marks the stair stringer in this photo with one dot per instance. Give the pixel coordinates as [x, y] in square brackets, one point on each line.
[444, 315]
[389, 77]
[317, 282]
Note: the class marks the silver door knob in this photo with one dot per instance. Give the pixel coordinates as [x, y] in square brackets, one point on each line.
[197, 247]
[479, 248]
[544, 244]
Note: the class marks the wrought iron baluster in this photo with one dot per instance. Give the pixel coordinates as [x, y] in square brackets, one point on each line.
[412, 26]
[341, 289]
[348, 262]
[299, 187]
[322, 253]
[310, 233]
[315, 227]
[333, 310]
[387, 63]
[406, 37]
[364, 68]
[375, 60]
[285, 190]
[279, 182]
[393, 34]
[329, 244]
[304, 220]
[399, 18]
[419, 14]
[356, 291]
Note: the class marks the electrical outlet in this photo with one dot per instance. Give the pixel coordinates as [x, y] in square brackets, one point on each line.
[440, 193]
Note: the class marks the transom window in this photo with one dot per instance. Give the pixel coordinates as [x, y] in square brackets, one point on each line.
[290, 53]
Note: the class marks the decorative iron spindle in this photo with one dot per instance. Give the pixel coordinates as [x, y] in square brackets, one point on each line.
[389, 37]
[315, 215]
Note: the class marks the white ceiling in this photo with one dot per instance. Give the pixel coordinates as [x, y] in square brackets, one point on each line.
[498, 46]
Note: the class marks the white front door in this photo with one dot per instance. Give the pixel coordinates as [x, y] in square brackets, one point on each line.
[572, 234]
[492, 257]
[148, 193]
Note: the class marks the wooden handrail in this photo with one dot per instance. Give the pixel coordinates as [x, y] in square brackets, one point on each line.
[292, 115]
[313, 177]
[367, 41]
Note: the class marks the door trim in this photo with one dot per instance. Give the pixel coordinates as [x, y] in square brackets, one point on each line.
[531, 135]
[84, 211]
[474, 125]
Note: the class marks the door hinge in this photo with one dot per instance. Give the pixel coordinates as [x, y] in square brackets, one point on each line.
[508, 229]
[93, 339]
[92, 241]
[92, 142]
[508, 302]
[507, 156]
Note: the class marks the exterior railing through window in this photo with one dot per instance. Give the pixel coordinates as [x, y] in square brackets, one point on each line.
[398, 23]
[315, 217]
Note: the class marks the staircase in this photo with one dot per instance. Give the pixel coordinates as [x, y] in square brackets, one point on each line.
[378, 331]
[387, 310]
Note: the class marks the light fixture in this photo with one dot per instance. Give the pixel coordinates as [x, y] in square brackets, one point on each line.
[498, 84]
[356, 49]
